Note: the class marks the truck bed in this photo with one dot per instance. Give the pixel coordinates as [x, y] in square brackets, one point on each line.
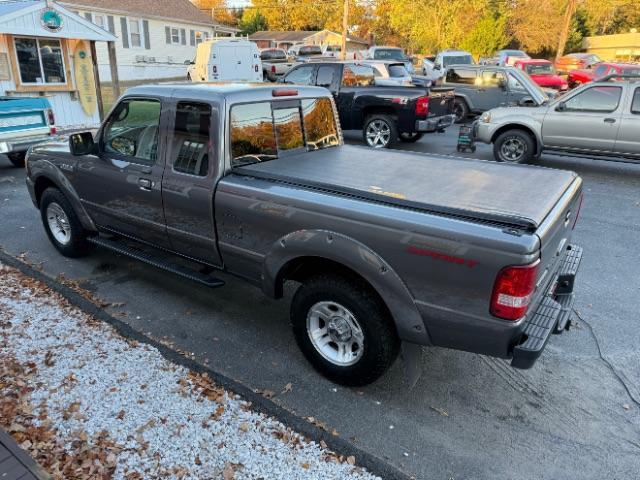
[517, 196]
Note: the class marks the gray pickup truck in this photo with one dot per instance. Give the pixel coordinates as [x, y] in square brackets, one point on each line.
[391, 250]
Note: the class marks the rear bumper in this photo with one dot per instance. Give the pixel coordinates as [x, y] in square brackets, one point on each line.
[22, 144]
[553, 314]
[434, 124]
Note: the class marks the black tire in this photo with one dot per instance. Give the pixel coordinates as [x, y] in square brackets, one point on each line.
[17, 158]
[188, 77]
[77, 246]
[460, 110]
[514, 146]
[410, 137]
[388, 124]
[380, 345]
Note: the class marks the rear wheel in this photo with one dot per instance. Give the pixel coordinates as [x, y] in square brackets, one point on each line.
[62, 224]
[460, 110]
[410, 137]
[17, 158]
[343, 329]
[514, 146]
[380, 131]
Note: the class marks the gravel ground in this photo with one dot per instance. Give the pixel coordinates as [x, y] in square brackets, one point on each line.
[94, 388]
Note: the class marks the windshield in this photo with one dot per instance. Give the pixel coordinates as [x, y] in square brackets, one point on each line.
[388, 54]
[310, 50]
[273, 55]
[540, 69]
[264, 131]
[457, 60]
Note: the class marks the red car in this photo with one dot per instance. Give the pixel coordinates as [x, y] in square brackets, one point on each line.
[543, 73]
[578, 77]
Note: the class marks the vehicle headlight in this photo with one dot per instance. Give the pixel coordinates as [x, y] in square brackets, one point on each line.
[485, 117]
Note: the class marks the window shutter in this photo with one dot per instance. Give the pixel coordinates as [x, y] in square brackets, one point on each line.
[183, 36]
[192, 39]
[125, 32]
[112, 26]
[167, 33]
[88, 16]
[145, 29]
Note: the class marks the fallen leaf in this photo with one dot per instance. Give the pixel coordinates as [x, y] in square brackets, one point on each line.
[197, 460]
[626, 406]
[48, 359]
[287, 388]
[244, 426]
[440, 411]
[120, 415]
[305, 466]
[351, 460]
[228, 473]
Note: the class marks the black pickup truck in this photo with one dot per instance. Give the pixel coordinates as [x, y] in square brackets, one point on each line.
[384, 114]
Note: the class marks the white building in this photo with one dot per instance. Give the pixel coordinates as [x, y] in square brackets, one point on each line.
[156, 38]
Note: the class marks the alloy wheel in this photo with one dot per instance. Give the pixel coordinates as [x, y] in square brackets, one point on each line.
[378, 134]
[58, 223]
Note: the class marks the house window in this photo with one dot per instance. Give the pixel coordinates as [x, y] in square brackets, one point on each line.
[40, 60]
[199, 37]
[135, 37]
[175, 35]
[99, 21]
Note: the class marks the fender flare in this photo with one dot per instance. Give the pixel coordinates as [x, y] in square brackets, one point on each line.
[354, 255]
[519, 125]
[42, 168]
[464, 96]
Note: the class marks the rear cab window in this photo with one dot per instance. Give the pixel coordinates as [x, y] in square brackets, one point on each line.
[635, 103]
[267, 130]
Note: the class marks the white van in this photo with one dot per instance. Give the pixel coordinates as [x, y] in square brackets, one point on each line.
[227, 59]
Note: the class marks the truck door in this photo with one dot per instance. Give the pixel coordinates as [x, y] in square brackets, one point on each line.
[227, 64]
[190, 178]
[586, 121]
[628, 142]
[121, 186]
[492, 90]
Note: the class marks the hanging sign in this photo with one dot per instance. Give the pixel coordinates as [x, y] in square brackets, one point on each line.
[85, 80]
[51, 20]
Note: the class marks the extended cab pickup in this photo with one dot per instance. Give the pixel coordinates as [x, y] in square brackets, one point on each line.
[391, 250]
[274, 63]
[385, 114]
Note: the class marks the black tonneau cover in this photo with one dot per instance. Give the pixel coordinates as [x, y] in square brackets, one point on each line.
[512, 195]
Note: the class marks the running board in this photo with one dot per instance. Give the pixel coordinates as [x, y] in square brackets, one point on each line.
[165, 265]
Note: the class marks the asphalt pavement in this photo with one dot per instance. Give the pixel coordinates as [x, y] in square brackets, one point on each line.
[576, 414]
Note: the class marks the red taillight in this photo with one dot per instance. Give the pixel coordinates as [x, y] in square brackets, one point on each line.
[577, 212]
[422, 106]
[51, 120]
[281, 92]
[512, 291]
[273, 69]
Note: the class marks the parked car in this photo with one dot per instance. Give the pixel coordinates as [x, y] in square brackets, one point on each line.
[446, 58]
[543, 73]
[228, 59]
[509, 57]
[390, 53]
[601, 118]
[300, 52]
[482, 87]
[390, 73]
[384, 114]
[579, 77]
[389, 251]
[274, 63]
[24, 121]
[575, 61]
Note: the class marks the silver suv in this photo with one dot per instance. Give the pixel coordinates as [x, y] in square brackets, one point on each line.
[598, 119]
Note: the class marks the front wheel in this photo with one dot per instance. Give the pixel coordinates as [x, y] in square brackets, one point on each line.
[514, 146]
[380, 131]
[62, 224]
[410, 137]
[460, 110]
[343, 329]
[17, 158]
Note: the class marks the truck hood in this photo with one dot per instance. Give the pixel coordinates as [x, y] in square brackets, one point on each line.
[519, 196]
[553, 81]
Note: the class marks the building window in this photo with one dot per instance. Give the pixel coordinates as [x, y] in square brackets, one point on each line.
[175, 36]
[135, 36]
[199, 37]
[99, 21]
[40, 61]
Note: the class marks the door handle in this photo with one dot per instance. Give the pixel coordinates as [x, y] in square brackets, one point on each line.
[144, 183]
[609, 120]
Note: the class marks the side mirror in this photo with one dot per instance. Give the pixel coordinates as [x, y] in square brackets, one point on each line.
[82, 144]
[562, 106]
[437, 66]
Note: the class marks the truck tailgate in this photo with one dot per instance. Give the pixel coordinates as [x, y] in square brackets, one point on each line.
[441, 101]
[518, 196]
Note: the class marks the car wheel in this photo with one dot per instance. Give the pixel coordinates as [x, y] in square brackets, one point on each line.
[514, 146]
[460, 110]
[380, 131]
[188, 77]
[410, 137]
[62, 224]
[343, 329]
[17, 158]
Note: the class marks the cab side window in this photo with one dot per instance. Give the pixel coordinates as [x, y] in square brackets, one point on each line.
[460, 75]
[493, 78]
[189, 143]
[301, 76]
[132, 130]
[358, 76]
[635, 104]
[595, 99]
[325, 76]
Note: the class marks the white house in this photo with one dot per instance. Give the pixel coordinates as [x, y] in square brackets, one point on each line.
[156, 38]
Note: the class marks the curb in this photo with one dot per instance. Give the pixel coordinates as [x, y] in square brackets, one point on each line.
[259, 403]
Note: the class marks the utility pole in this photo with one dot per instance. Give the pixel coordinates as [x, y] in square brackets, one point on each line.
[345, 26]
[566, 25]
